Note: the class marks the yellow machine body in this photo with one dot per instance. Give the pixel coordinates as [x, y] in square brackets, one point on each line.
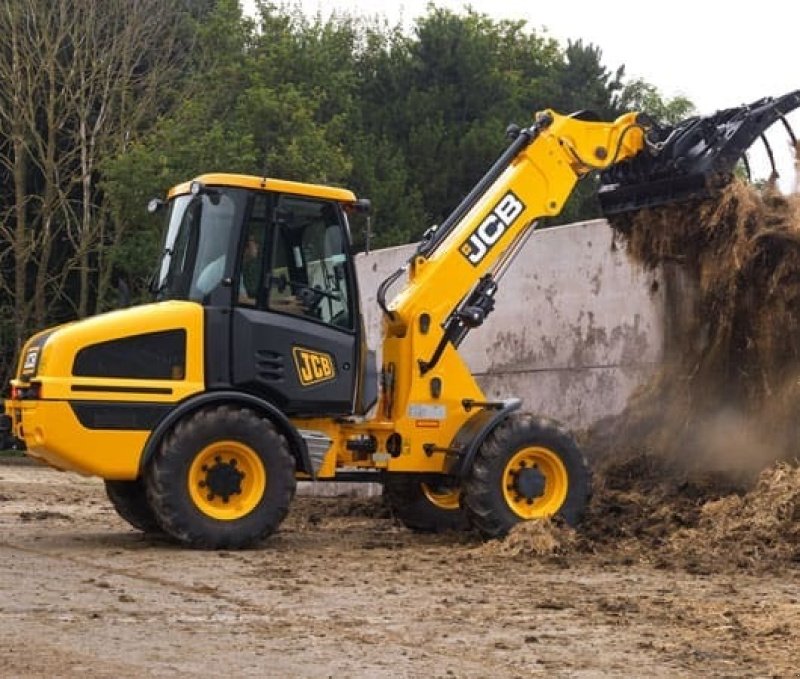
[48, 424]
[202, 410]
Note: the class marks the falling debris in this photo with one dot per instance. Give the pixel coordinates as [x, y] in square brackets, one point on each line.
[729, 396]
[678, 470]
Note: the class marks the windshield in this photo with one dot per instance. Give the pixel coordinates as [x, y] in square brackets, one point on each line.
[199, 247]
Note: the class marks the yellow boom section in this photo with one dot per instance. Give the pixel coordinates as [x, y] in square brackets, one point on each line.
[535, 184]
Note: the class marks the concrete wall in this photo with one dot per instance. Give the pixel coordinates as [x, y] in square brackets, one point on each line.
[576, 328]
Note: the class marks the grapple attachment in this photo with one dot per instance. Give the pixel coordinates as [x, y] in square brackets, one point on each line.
[692, 158]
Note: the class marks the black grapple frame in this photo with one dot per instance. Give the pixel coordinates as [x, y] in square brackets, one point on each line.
[691, 159]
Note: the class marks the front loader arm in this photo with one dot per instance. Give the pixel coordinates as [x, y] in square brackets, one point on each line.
[454, 272]
[533, 179]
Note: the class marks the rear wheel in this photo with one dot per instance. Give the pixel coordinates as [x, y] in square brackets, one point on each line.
[129, 499]
[431, 505]
[222, 479]
[528, 468]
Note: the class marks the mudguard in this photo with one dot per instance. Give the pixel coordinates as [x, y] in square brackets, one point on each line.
[473, 433]
[296, 443]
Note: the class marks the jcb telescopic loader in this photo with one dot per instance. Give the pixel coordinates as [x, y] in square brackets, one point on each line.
[250, 370]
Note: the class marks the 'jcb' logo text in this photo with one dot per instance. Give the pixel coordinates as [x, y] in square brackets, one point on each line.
[313, 367]
[493, 226]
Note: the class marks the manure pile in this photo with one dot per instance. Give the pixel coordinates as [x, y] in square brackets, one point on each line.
[701, 469]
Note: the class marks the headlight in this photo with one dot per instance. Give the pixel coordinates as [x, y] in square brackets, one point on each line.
[30, 362]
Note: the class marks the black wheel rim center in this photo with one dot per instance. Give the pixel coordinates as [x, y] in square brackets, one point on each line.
[530, 483]
[223, 479]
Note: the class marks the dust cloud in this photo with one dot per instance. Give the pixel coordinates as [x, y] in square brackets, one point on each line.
[701, 466]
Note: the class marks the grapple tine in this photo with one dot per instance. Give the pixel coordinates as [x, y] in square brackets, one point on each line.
[690, 159]
[789, 130]
[774, 174]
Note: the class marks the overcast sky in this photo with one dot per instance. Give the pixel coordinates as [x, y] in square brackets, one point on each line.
[717, 53]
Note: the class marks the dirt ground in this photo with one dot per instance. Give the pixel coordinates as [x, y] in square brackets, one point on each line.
[343, 591]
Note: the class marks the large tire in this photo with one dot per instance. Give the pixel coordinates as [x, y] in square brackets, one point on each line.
[528, 468]
[223, 478]
[129, 499]
[427, 506]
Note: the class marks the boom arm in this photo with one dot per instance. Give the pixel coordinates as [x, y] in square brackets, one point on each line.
[453, 275]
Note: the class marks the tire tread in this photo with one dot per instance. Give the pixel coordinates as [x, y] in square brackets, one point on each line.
[170, 505]
[491, 517]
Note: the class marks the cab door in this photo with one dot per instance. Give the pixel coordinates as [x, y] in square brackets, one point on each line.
[295, 336]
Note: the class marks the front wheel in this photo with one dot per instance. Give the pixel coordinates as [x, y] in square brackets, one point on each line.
[429, 505]
[528, 468]
[223, 478]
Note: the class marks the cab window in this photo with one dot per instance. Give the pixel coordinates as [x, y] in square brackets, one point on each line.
[308, 272]
[250, 282]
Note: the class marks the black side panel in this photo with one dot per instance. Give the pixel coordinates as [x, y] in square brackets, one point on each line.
[218, 347]
[128, 416]
[152, 356]
[301, 366]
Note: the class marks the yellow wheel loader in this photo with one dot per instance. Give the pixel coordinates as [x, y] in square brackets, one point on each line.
[250, 369]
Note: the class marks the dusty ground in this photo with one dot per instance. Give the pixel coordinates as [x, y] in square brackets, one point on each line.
[342, 591]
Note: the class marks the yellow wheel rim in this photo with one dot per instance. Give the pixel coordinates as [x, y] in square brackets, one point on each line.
[442, 496]
[535, 483]
[227, 480]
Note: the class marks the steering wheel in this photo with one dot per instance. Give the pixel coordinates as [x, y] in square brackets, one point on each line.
[309, 296]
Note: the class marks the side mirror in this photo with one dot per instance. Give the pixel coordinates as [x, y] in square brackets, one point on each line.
[362, 206]
[155, 205]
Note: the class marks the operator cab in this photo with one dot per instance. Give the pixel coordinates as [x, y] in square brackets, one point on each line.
[270, 262]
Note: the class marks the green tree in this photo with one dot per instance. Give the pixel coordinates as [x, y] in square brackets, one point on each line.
[81, 79]
[467, 78]
[639, 95]
[410, 120]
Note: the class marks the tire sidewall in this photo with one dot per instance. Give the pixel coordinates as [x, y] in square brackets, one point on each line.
[525, 433]
[129, 499]
[178, 452]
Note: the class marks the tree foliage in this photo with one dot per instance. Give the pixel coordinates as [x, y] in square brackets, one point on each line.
[108, 103]
[81, 80]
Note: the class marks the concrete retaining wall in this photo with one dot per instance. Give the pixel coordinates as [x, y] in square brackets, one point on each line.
[576, 328]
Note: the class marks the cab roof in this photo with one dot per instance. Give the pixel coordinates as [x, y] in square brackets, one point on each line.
[245, 181]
